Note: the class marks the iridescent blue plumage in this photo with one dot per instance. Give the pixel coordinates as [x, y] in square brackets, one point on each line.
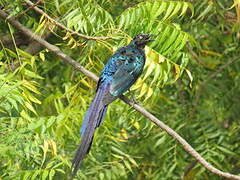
[119, 74]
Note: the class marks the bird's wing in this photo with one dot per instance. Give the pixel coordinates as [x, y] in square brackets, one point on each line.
[123, 79]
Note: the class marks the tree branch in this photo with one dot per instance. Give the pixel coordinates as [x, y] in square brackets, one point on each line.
[29, 3]
[137, 107]
[33, 47]
[29, 8]
[209, 78]
[7, 40]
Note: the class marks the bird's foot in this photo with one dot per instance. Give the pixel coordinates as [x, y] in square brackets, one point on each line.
[133, 99]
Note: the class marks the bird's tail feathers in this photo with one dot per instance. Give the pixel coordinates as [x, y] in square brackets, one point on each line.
[92, 120]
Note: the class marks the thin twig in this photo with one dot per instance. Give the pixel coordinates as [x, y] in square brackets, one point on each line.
[137, 107]
[29, 3]
[195, 56]
[7, 40]
[33, 47]
[29, 8]
[214, 74]
[219, 70]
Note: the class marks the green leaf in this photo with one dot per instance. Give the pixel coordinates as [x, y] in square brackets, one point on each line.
[127, 165]
[30, 107]
[42, 56]
[51, 174]
[35, 174]
[26, 176]
[45, 174]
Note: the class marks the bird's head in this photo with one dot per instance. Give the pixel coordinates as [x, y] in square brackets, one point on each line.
[141, 40]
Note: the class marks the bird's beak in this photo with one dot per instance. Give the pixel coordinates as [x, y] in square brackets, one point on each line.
[151, 38]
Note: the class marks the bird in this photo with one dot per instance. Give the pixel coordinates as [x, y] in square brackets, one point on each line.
[119, 74]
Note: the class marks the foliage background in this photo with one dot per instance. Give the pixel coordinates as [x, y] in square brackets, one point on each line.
[43, 100]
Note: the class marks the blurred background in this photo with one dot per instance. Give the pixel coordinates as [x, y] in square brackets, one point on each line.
[191, 82]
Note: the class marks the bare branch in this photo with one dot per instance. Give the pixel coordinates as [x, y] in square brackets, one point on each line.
[33, 47]
[137, 107]
[195, 56]
[29, 3]
[212, 76]
[7, 40]
[219, 70]
[29, 8]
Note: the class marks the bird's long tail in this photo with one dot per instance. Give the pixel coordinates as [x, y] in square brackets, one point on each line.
[92, 120]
